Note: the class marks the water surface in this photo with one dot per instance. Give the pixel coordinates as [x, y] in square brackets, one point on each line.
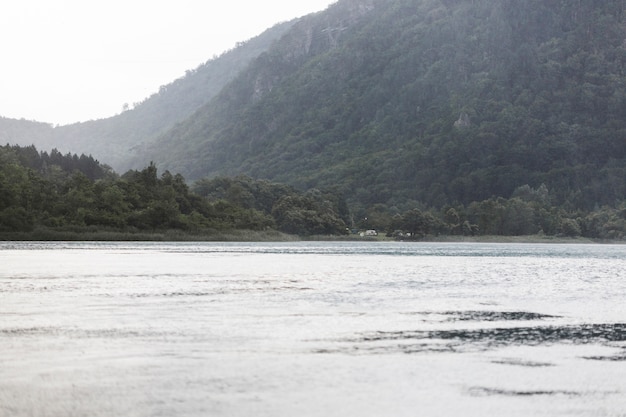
[312, 329]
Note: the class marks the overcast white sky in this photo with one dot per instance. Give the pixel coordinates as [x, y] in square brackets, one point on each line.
[65, 61]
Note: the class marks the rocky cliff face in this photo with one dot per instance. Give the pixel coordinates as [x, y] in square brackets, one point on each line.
[319, 32]
[312, 35]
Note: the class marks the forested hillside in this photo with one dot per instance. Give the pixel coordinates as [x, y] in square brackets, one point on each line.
[427, 102]
[120, 138]
[51, 195]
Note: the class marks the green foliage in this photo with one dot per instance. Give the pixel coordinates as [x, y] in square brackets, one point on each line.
[36, 191]
[312, 213]
[420, 100]
[605, 223]
[417, 224]
[528, 212]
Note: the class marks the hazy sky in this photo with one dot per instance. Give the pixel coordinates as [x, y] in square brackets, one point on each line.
[65, 61]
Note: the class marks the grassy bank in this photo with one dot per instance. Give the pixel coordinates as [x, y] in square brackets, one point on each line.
[142, 236]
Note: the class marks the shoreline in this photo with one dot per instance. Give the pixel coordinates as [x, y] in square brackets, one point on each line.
[47, 235]
[475, 239]
[50, 235]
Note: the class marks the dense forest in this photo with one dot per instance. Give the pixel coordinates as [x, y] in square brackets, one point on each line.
[49, 194]
[427, 102]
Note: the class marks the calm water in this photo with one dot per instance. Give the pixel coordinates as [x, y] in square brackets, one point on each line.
[312, 329]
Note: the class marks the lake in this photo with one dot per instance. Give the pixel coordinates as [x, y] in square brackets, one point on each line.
[312, 329]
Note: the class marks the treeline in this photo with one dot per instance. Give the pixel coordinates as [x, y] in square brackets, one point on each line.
[528, 211]
[76, 193]
[52, 191]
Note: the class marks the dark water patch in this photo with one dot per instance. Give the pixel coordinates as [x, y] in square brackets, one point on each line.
[514, 335]
[494, 316]
[77, 333]
[483, 391]
[463, 340]
[350, 349]
[27, 331]
[520, 362]
[489, 316]
[174, 294]
[615, 358]
[222, 291]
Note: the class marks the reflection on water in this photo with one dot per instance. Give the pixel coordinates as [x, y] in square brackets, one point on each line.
[463, 340]
[615, 358]
[521, 362]
[482, 391]
[491, 315]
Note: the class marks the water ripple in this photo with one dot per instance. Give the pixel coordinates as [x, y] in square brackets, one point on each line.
[483, 391]
[483, 339]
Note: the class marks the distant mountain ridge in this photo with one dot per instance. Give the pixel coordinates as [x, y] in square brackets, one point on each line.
[115, 140]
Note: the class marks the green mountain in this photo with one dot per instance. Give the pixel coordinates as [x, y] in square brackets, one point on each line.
[430, 101]
[118, 139]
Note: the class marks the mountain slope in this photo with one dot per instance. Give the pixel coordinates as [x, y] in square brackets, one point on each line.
[24, 132]
[435, 101]
[117, 139]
